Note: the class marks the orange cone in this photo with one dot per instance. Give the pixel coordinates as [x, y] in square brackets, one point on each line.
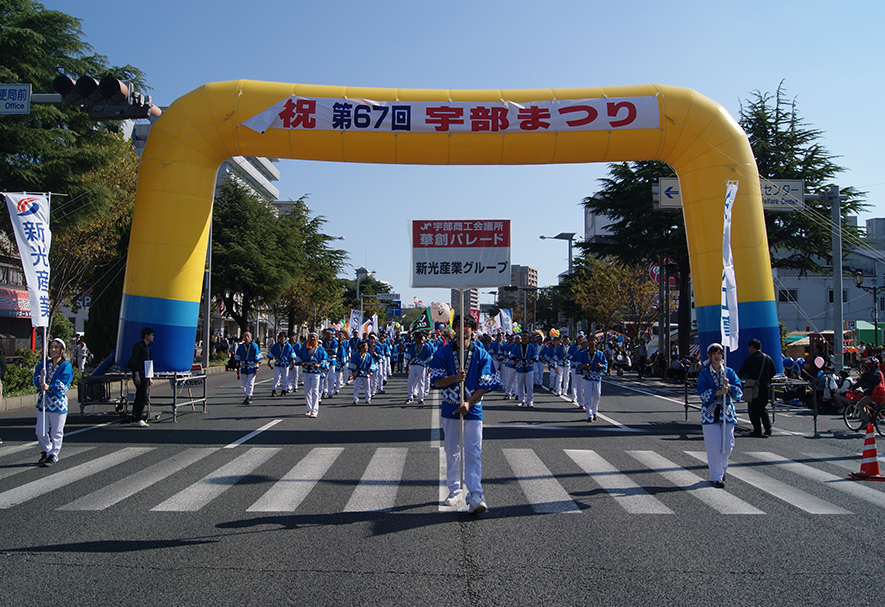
[869, 463]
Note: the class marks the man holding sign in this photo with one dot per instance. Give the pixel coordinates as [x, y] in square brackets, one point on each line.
[478, 376]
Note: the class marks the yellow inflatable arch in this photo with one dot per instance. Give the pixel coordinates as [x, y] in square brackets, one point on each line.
[693, 134]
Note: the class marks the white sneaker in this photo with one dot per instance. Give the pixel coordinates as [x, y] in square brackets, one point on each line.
[475, 504]
[453, 498]
[139, 424]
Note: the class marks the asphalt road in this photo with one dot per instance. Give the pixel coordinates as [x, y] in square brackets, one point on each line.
[345, 509]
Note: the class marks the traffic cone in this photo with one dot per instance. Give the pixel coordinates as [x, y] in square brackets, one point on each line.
[869, 463]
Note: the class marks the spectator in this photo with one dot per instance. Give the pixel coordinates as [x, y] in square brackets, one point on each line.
[758, 368]
[142, 375]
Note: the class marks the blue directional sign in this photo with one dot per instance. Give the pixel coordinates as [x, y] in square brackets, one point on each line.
[15, 98]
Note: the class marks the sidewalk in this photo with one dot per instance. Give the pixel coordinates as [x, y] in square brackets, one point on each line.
[24, 401]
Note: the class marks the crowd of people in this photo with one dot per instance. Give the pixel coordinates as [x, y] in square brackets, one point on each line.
[464, 367]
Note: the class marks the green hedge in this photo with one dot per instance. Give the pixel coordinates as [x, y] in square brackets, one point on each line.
[17, 380]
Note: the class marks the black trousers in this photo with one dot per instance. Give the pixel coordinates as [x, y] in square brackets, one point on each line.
[142, 398]
[757, 409]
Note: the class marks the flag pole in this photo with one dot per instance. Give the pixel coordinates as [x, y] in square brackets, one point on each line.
[43, 392]
[728, 315]
[462, 387]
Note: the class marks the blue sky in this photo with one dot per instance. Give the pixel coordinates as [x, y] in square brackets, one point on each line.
[829, 56]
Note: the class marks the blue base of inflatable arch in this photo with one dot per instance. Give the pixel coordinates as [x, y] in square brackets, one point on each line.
[175, 328]
[755, 319]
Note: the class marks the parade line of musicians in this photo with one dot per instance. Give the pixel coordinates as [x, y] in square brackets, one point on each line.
[323, 366]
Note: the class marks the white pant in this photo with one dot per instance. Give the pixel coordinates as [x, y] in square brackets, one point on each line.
[248, 380]
[593, 391]
[576, 385]
[472, 453]
[525, 387]
[717, 461]
[539, 373]
[361, 382]
[328, 385]
[416, 381]
[294, 376]
[510, 381]
[312, 383]
[55, 431]
[376, 382]
[561, 384]
[581, 390]
[280, 377]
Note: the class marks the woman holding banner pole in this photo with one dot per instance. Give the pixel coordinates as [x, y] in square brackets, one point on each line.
[53, 378]
[718, 387]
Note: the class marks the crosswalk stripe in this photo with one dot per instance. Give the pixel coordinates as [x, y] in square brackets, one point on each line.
[540, 487]
[782, 491]
[129, 486]
[630, 496]
[204, 491]
[66, 477]
[17, 468]
[288, 493]
[852, 463]
[844, 484]
[17, 449]
[697, 487]
[378, 486]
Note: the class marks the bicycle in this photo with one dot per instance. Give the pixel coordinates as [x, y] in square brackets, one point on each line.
[857, 417]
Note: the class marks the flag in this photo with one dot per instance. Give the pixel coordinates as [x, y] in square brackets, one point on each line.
[729, 317]
[505, 320]
[356, 319]
[423, 322]
[370, 325]
[30, 221]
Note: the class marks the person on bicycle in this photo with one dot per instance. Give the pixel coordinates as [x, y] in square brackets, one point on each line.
[873, 385]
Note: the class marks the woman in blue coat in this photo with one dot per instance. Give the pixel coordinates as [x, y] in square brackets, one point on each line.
[53, 383]
[719, 388]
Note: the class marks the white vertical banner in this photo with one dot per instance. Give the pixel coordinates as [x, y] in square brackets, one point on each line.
[505, 320]
[29, 214]
[729, 316]
[356, 321]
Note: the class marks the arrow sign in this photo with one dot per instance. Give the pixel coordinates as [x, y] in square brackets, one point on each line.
[671, 193]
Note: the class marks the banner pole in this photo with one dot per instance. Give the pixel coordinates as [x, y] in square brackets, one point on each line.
[43, 392]
[725, 399]
[463, 388]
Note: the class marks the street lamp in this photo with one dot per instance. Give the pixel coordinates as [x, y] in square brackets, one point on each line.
[570, 237]
[858, 282]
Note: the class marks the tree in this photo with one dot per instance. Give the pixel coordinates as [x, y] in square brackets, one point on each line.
[60, 149]
[316, 291]
[639, 235]
[787, 148]
[253, 258]
[369, 288]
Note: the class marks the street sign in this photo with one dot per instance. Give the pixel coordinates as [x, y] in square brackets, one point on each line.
[671, 197]
[777, 194]
[783, 194]
[395, 309]
[387, 296]
[15, 98]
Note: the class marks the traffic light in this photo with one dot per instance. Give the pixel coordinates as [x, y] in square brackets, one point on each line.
[110, 99]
